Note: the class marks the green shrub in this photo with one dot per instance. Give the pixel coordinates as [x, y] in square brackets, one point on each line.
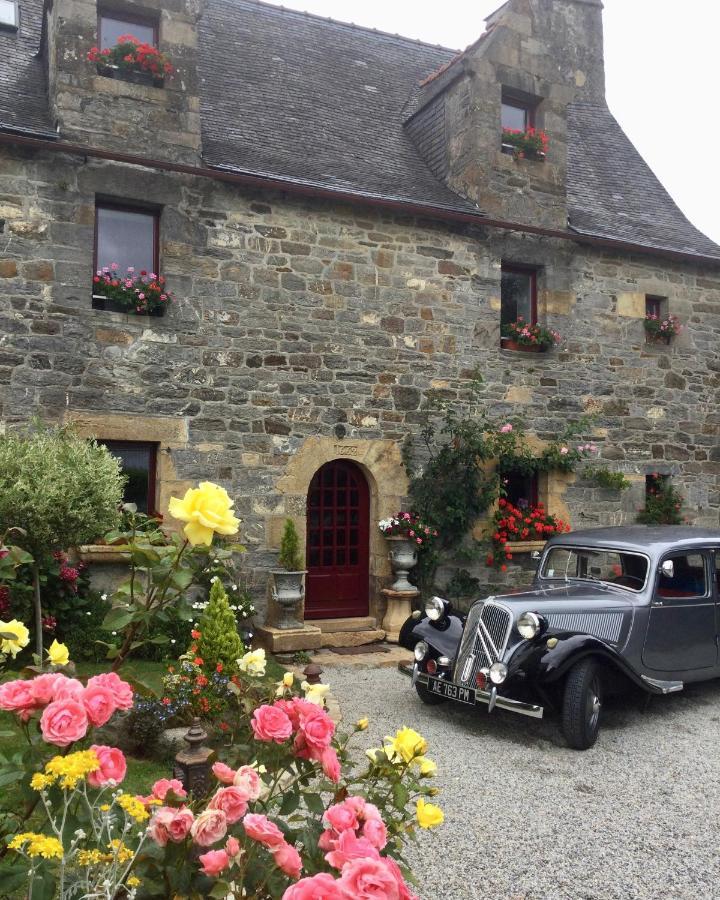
[219, 641]
[610, 481]
[289, 548]
[663, 504]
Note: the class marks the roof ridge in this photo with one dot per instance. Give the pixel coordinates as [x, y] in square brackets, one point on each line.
[352, 25]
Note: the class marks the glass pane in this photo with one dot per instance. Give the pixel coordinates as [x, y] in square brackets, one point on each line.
[340, 556]
[353, 557]
[353, 536]
[328, 538]
[328, 477]
[111, 29]
[314, 557]
[328, 557]
[688, 578]
[314, 518]
[315, 538]
[354, 500]
[341, 477]
[354, 517]
[328, 518]
[340, 517]
[516, 297]
[328, 498]
[7, 12]
[514, 117]
[340, 537]
[126, 238]
[136, 466]
[341, 498]
[315, 499]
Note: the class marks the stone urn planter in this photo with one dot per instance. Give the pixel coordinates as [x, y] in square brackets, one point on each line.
[403, 557]
[288, 592]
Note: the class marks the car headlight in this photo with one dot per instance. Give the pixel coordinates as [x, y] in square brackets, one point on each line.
[498, 672]
[420, 651]
[435, 608]
[529, 625]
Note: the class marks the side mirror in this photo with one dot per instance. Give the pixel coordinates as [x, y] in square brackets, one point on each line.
[668, 568]
[535, 555]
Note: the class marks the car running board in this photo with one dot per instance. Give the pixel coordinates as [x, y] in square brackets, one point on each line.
[663, 687]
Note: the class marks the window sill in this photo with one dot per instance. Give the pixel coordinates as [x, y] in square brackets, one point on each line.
[525, 546]
[147, 79]
[104, 305]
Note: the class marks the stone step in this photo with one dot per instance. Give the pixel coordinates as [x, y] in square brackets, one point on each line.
[352, 638]
[364, 623]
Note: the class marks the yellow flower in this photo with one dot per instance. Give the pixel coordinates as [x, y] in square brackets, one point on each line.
[362, 724]
[37, 845]
[372, 753]
[429, 815]
[133, 807]
[288, 679]
[133, 881]
[91, 857]
[207, 509]
[427, 766]
[405, 746]
[315, 693]
[253, 663]
[58, 654]
[39, 781]
[104, 807]
[15, 636]
[70, 769]
[120, 851]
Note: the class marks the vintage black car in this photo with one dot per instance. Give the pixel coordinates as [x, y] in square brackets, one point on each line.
[609, 608]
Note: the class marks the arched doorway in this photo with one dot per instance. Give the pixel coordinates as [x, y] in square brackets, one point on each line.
[338, 533]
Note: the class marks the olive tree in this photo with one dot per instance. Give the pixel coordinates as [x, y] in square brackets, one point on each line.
[61, 490]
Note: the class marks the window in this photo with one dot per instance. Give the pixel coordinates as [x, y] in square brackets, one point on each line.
[139, 461]
[516, 115]
[656, 484]
[9, 14]
[521, 490]
[518, 294]
[687, 578]
[110, 28]
[627, 570]
[127, 236]
[655, 306]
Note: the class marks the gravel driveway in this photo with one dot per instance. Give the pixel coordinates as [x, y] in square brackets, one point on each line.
[635, 817]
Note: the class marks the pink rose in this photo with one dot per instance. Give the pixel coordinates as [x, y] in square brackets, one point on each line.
[370, 811]
[287, 859]
[261, 829]
[319, 887]
[341, 817]
[99, 704]
[121, 690]
[375, 832]
[69, 689]
[112, 766]
[163, 785]
[394, 868]
[63, 722]
[506, 429]
[369, 879]
[233, 848]
[330, 764]
[316, 729]
[223, 773]
[43, 687]
[248, 780]
[328, 839]
[348, 847]
[209, 827]
[168, 824]
[271, 724]
[17, 696]
[214, 862]
[232, 801]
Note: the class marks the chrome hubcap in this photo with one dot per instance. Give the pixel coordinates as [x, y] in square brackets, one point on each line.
[594, 704]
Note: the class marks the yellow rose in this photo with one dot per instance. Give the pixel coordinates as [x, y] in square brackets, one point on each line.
[288, 679]
[58, 654]
[207, 509]
[362, 724]
[429, 815]
[253, 663]
[406, 745]
[427, 766]
[315, 693]
[13, 637]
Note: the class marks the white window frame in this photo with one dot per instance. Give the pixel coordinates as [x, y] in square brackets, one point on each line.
[16, 23]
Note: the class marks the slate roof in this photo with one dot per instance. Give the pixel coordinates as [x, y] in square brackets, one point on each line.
[321, 103]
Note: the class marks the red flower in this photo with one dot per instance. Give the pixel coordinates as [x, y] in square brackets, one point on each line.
[195, 634]
[219, 667]
[198, 661]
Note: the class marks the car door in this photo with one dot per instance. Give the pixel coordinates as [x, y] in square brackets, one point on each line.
[681, 625]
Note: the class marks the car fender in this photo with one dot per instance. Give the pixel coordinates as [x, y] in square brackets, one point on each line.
[443, 637]
[549, 664]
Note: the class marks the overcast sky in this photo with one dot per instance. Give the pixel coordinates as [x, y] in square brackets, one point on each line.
[662, 64]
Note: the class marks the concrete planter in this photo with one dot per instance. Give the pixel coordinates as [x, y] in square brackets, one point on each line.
[288, 592]
[100, 302]
[403, 557]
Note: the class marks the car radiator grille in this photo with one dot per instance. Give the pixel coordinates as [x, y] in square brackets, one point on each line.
[484, 640]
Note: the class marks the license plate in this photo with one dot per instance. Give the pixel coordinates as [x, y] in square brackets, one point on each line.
[451, 691]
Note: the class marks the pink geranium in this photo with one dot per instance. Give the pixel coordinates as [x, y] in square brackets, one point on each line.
[121, 690]
[259, 828]
[63, 722]
[271, 724]
[319, 887]
[214, 862]
[112, 766]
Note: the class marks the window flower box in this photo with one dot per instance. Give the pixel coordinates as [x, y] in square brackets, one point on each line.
[527, 525]
[661, 329]
[132, 60]
[525, 337]
[528, 144]
[142, 295]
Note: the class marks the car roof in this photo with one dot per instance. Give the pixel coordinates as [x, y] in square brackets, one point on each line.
[644, 538]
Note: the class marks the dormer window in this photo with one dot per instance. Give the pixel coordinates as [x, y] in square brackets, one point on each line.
[112, 27]
[9, 14]
[517, 115]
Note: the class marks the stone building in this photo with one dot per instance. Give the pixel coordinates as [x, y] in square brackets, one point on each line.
[343, 230]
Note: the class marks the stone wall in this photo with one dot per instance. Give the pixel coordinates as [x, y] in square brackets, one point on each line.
[293, 317]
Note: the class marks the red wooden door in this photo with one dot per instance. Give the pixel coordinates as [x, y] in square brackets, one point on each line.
[338, 535]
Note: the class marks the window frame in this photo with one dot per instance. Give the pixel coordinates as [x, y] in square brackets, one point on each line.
[517, 103]
[686, 596]
[655, 305]
[522, 269]
[534, 479]
[15, 24]
[153, 448]
[131, 19]
[131, 208]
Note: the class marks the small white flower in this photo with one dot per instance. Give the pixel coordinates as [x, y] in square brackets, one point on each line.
[233, 607]
[216, 561]
[103, 596]
[214, 579]
[114, 633]
[172, 640]
[234, 587]
[88, 613]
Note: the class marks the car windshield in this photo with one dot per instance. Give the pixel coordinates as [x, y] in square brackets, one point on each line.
[616, 567]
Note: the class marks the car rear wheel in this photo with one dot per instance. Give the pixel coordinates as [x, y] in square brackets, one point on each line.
[582, 705]
[428, 698]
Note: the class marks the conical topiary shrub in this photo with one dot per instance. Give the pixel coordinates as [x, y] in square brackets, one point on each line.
[219, 641]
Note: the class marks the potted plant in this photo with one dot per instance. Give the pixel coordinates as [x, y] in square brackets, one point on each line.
[132, 60]
[143, 295]
[409, 535]
[522, 524]
[528, 338]
[289, 589]
[660, 329]
[529, 144]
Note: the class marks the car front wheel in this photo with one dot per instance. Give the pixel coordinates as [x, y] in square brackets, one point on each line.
[582, 705]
